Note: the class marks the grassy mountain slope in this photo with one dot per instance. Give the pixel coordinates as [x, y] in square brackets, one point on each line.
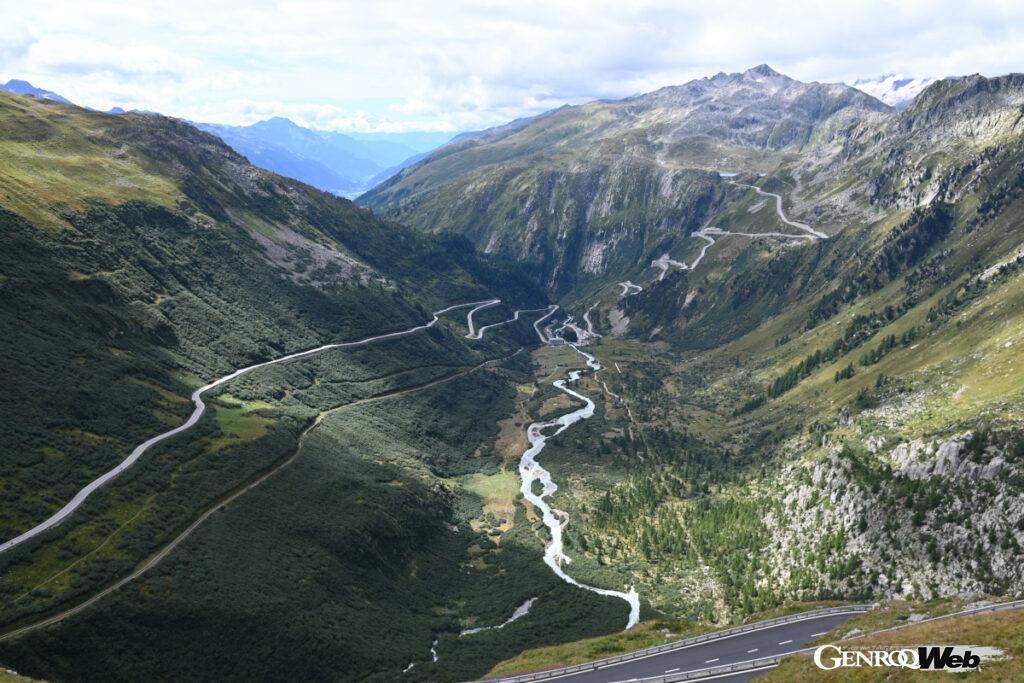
[791, 420]
[143, 258]
[836, 419]
[370, 537]
[159, 276]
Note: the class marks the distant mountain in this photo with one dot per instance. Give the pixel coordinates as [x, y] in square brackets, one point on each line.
[334, 162]
[392, 170]
[809, 306]
[896, 90]
[19, 87]
[592, 190]
[121, 110]
[513, 125]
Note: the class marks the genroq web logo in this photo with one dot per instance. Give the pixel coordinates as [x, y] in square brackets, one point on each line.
[926, 658]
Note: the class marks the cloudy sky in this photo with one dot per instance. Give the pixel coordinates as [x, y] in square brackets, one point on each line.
[452, 65]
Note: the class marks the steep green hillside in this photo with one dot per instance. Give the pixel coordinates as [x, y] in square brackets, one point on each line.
[830, 418]
[369, 538]
[140, 259]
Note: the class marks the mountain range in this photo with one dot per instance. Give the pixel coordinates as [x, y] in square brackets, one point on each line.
[791, 316]
[809, 280]
[343, 164]
[19, 87]
[586, 191]
[142, 256]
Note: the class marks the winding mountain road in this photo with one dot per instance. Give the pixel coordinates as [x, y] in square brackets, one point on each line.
[479, 334]
[709, 232]
[780, 212]
[628, 287]
[240, 490]
[200, 408]
[259, 478]
[472, 334]
[544, 339]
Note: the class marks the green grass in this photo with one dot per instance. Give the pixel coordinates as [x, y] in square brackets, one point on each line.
[9, 677]
[498, 494]
[238, 425]
[131, 276]
[54, 154]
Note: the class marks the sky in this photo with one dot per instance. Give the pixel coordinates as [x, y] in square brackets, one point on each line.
[453, 65]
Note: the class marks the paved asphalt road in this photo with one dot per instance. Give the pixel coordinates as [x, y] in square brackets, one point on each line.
[738, 648]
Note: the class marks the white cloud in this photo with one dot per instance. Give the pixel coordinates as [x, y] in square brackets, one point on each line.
[458, 64]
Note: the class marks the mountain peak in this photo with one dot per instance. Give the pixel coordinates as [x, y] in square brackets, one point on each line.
[762, 70]
[277, 122]
[17, 86]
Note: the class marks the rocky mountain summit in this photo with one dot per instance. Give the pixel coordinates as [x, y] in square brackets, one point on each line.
[758, 108]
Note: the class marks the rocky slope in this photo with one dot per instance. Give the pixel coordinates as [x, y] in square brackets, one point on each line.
[811, 393]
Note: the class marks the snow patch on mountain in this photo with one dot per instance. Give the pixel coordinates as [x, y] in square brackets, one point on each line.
[896, 90]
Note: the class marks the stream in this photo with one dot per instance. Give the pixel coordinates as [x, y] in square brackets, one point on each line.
[530, 471]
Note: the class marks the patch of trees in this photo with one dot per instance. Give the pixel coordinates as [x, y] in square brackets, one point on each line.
[972, 289]
[845, 373]
[907, 244]
[858, 331]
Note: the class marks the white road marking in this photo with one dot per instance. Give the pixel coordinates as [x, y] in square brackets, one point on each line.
[785, 642]
[752, 651]
[815, 635]
[711, 661]
[672, 671]
[810, 616]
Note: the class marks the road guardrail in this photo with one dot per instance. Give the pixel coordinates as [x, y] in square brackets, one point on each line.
[679, 645]
[775, 660]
